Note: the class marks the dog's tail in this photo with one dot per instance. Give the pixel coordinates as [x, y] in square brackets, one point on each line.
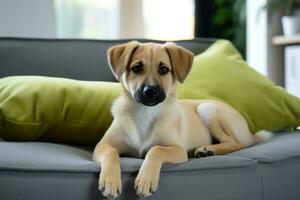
[262, 136]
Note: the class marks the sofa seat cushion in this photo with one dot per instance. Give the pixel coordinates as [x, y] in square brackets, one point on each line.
[284, 145]
[35, 170]
[40, 156]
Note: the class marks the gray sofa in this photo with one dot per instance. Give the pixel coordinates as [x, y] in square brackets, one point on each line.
[42, 170]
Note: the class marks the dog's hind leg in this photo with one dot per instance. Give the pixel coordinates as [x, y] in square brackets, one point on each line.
[225, 125]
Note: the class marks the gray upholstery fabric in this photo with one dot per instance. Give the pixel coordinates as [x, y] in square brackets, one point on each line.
[18, 185]
[78, 59]
[279, 165]
[281, 179]
[284, 145]
[40, 156]
[213, 184]
[71, 172]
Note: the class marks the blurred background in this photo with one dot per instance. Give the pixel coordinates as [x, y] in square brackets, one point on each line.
[114, 19]
[260, 29]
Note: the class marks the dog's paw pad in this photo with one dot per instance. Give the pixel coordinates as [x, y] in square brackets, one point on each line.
[203, 152]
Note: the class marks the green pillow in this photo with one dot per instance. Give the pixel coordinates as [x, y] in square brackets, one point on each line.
[220, 73]
[55, 109]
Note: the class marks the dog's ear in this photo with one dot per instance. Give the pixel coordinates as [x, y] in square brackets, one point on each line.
[119, 56]
[181, 60]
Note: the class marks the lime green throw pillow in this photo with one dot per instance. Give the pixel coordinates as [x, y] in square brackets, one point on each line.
[55, 109]
[220, 73]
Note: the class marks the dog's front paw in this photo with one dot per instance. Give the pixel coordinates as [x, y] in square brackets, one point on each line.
[203, 152]
[110, 183]
[146, 182]
[145, 185]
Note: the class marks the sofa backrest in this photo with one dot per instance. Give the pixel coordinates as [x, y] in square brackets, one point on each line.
[69, 58]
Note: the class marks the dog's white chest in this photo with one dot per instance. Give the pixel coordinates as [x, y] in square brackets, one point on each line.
[144, 120]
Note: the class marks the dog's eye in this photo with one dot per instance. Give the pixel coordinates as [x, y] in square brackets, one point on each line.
[163, 70]
[137, 68]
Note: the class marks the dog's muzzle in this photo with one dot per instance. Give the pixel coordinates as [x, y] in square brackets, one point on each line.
[150, 95]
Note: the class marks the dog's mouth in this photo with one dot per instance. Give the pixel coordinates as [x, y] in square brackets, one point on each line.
[150, 95]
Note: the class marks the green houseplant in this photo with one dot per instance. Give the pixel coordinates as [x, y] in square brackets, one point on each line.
[290, 12]
[230, 19]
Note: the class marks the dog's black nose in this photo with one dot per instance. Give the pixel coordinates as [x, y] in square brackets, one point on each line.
[150, 95]
[151, 91]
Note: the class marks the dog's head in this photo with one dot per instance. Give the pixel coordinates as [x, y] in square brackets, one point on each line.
[148, 71]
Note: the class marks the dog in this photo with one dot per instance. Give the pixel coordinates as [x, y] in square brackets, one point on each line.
[150, 122]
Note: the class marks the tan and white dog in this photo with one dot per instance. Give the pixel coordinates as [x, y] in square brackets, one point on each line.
[149, 121]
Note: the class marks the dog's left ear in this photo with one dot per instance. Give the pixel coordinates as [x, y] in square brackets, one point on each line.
[181, 60]
[119, 56]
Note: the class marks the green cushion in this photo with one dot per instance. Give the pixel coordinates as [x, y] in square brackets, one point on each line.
[220, 73]
[78, 112]
[55, 109]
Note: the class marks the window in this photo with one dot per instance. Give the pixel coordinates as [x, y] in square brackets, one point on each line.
[111, 19]
[86, 18]
[169, 19]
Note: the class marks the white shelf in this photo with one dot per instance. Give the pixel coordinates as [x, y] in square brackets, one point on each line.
[282, 40]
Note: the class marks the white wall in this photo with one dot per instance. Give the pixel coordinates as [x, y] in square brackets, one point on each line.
[261, 53]
[27, 18]
[257, 36]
